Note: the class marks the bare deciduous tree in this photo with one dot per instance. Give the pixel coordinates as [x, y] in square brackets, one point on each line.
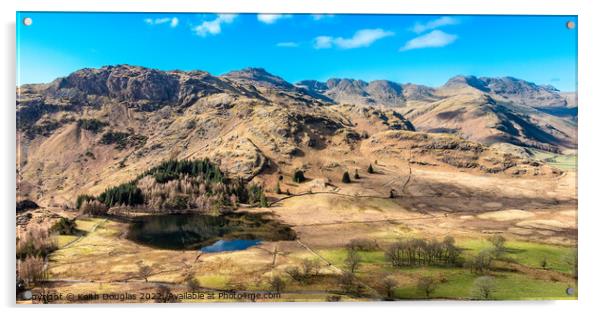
[499, 243]
[483, 288]
[353, 260]
[277, 284]
[310, 267]
[427, 285]
[348, 284]
[414, 251]
[31, 270]
[389, 284]
[295, 274]
[144, 272]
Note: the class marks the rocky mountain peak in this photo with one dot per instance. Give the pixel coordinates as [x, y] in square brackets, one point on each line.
[259, 77]
[471, 81]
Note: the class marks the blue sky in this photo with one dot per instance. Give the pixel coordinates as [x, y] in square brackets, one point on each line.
[403, 48]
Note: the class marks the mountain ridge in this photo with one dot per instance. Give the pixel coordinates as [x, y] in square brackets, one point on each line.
[98, 127]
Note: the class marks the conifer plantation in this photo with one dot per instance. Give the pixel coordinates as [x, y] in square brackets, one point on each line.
[178, 185]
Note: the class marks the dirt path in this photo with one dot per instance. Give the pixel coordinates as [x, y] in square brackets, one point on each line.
[84, 235]
[374, 293]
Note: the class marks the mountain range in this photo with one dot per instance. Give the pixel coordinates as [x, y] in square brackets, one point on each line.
[95, 127]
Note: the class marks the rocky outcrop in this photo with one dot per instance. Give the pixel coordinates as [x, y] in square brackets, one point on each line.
[515, 90]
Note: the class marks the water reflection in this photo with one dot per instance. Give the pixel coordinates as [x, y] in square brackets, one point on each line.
[230, 245]
[179, 231]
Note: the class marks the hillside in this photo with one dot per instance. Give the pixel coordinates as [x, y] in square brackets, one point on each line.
[101, 127]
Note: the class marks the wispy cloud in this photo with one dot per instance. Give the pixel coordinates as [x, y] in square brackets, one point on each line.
[433, 24]
[287, 44]
[272, 18]
[173, 22]
[361, 38]
[318, 17]
[213, 27]
[434, 38]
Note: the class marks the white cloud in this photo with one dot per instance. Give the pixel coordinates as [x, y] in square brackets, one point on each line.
[213, 27]
[272, 18]
[173, 22]
[287, 44]
[318, 17]
[361, 38]
[433, 24]
[435, 38]
[323, 42]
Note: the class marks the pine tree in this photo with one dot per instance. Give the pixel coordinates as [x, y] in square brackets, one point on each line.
[370, 169]
[357, 175]
[346, 177]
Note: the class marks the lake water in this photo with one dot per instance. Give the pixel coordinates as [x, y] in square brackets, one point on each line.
[230, 245]
[236, 231]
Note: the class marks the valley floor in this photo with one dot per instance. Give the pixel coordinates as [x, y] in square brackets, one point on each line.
[537, 218]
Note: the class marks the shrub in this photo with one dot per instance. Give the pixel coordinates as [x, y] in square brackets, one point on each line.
[357, 175]
[192, 283]
[310, 267]
[36, 242]
[119, 138]
[544, 263]
[298, 176]
[92, 125]
[31, 270]
[165, 295]
[295, 274]
[64, 226]
[25, 205]
[278, 190]
[362, 244]
[256, 195]
[122, 140]
[277, 284]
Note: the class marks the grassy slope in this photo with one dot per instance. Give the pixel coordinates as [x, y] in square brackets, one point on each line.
[458, 282]
[564, 162]
[527, 253]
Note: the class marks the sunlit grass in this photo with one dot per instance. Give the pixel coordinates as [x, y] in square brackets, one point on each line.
[564, 162]
[458, 284]
[530, 254]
